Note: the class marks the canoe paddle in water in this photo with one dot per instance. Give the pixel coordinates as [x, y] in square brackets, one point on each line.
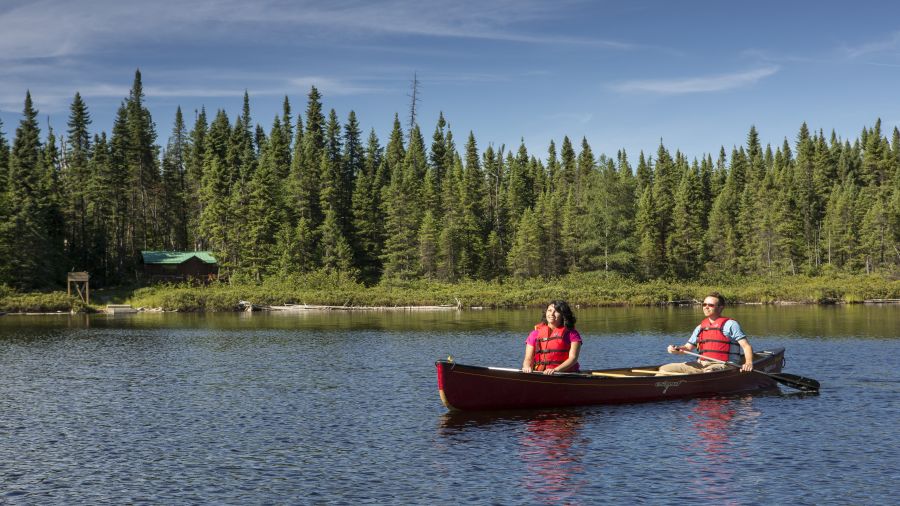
[791, 380]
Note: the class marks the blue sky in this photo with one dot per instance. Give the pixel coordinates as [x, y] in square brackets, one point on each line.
[625, 74]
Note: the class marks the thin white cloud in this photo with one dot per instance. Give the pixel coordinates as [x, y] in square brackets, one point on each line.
[704, 84]
[329, 86]
[891, 43]
[573, 118]
[55, 28]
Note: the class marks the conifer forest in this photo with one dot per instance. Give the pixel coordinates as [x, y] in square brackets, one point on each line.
[313, 192]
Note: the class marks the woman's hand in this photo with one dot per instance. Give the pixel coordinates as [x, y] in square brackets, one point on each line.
[526, 368]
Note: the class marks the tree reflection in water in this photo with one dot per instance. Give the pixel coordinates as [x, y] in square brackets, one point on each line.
[720, 428]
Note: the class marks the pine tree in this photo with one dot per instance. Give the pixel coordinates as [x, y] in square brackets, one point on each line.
[28, 238]
[306, 165]
[548, 213]
[451, 233]
[297, 246]
[520, 193]
[428, 246]
[287, 132]
[101, 210]
[368, 216]
[472, 211]
[874, 234]
[666, 176]
[549, 176]
[175, 187]
[265, 211]
[496, 214]
[141, 158]
[352, 160]
[4, 160]
[336, 253]
[567, 177]
[685, 242]
[54, 255]
[650, 244]
[120, 189]
[438, 160]
[644, 175]
[331, 181]
[525, 259]
[216, 218]
[570, 238]
[75, 180]
[403, 210]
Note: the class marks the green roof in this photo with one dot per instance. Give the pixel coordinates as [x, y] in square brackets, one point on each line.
[176, 257]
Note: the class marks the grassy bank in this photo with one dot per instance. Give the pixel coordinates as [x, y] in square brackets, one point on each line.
[49, 302]
[585, 289]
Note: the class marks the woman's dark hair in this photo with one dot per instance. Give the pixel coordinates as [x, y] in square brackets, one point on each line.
[564, 310]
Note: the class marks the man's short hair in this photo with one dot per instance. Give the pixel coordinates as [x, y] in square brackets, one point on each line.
[719, 297]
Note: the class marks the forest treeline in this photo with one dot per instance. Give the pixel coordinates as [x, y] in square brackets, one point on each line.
[312, 193]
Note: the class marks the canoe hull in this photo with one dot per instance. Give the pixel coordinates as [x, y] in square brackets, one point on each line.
[467, 388]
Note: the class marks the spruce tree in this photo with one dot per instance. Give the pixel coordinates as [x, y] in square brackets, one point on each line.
[306, 164]
[368, 216]
[141, 155]
[428, 246]
[567, 177]
[472, 211]
[216, 218]
[28, 239]
[4, 160]
[525, 260]
[352, 161]
[175, 197]
[403, 210]
[438, 158]
[496, 215]
[520, 192]
[450, 241]
[650, 244]
[337, 255]
[75, 179]
[265, 210]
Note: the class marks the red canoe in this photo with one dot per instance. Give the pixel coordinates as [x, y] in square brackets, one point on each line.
[467, 387]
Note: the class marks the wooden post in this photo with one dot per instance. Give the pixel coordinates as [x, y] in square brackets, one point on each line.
[80, 279]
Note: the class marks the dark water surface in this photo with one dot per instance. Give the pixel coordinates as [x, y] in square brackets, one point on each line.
[343, 408]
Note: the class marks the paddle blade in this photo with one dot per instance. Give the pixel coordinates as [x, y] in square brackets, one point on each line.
[798, 382]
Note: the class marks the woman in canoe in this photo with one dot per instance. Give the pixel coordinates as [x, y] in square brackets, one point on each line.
[554, 344]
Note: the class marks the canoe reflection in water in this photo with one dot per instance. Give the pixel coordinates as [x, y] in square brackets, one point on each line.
[721, 426]
[552, 450]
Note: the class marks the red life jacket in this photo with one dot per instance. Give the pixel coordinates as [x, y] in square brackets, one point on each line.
[713, 343]
[551, 348]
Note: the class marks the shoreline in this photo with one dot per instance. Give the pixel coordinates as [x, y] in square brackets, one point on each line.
[336, 293]
[298, 308]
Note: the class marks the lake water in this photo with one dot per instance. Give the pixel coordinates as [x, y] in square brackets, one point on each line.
[343, 408]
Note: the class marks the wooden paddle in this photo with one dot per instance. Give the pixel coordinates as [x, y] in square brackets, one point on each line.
[791, 380]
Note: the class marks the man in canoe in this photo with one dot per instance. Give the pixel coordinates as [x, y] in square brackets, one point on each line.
[717, 338]
[554, 344]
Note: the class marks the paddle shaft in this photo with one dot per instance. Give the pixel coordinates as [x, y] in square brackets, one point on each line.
[682, 350]
[798, 382]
